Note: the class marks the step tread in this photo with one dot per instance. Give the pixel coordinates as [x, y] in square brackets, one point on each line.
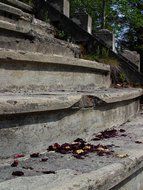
[14, 103]
[54, 59]
[13, 27]
[35, 103]
[94, 171]
[15, 11]
[30, 28]
[19, 4]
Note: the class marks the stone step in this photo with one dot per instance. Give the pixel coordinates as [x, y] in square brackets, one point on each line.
[29, 123]
[34, 72]
[22, 31]
[16, 20]
[16, 103]
[121, 170]
[18, 4]
[13, 11]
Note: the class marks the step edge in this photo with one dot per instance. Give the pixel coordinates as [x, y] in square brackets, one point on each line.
[19, 4]
[115, 173]
[12, 104]
[15, 11]
[54, 59]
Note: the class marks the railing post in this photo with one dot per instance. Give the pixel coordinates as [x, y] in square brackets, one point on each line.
[132, 56]
[61, 5]
[84, 20]
[107, 37]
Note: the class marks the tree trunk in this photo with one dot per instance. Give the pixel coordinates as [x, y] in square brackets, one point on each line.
[103, 22]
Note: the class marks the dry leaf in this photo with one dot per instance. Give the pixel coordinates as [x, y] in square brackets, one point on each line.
[121, 155]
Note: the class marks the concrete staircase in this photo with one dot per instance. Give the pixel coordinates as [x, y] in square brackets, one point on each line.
[48, 95]
[79, 29]
[22, 31]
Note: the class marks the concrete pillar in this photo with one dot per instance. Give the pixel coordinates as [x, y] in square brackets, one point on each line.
[108, 37]
[84, 20]
[61, 5]
[132, 56]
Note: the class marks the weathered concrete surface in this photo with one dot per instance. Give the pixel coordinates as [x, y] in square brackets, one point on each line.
[18, 4]
[33, 72]
[33, 132]
[15, 103]
[133, 182]
[54, 59]
[116, 95]
[40, 44]
[94, 172]
[15, 11]
[21, 31]
[26, 104]
[27, 28]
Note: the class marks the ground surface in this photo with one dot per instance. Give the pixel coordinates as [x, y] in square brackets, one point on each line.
[123, 145]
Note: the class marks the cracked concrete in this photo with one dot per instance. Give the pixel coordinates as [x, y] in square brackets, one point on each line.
[91, 172]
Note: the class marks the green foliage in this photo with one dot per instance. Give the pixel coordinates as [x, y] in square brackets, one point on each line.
[94, 8]
[30, 2]
[122, 76]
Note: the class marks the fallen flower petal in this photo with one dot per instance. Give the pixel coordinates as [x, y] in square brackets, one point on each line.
[35, 155]
[106, 134]
[96, 139]
[18, 173]
[80, 151]
[122, 130]
[122, 155]
[15, 163]
[48, 172]
[123, 135]
[19, 155]
[79, 140]
[138, 142]
[54, 147]
[44, 159]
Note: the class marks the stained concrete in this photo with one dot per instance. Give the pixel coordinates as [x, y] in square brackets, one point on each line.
[94, 172]
[28, 103]
[18, 4]
[33, 72]
[22, 31]
[33, 132]
[27, 28]
[34, 43]
[13, 104]
[15, 11]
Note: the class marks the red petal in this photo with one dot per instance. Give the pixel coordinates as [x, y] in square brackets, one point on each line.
[35, 155]
[15, 163]
[19, 155]
[18, 173]
[44, 159]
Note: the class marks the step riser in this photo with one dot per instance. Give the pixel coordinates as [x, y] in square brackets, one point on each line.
[27, 133]
[49, 46]
[40, 77]
[34, 36]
